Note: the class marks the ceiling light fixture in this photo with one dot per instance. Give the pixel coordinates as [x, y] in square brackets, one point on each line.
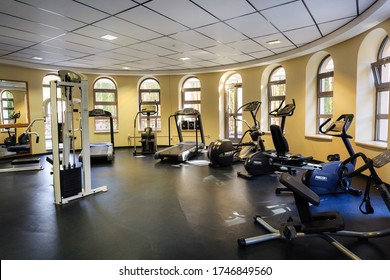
[185, 58]
[273, 42]
[125, 68]
[37, 58]
[109, 37]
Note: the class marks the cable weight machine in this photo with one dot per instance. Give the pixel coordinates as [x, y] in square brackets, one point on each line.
[70, 180]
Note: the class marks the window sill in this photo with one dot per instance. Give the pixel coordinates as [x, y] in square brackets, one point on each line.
[319, 137]
[373, 144]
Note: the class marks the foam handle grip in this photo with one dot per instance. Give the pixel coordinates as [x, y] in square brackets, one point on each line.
[385, 194]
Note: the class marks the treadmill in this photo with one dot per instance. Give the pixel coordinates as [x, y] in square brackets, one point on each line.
[102, 150]
[184, 150]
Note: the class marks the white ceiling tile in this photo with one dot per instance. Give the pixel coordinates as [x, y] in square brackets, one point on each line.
[241, 57]
[134, 53]
[282, 50]
[97, 33]
[87, 41]
[33, 14]
[266, 4]
[151, 20]
[15, 42]
[253, 25]
[69, 9]
[194, 38]
[109, 6]
[31, 27]
[365, 4]
[72, 46]
[329, 27]
[284, 42]
[329, 10]
[126, 28]
[225, 9]
[21, 35]
[289, 16]
[262, 54]
[247, 46]
[221, 33]
[172, 44]
[303, 35]
[223, 50]
[146, 47]
[183, 12]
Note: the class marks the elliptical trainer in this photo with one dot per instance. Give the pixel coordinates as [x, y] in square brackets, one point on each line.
[267, 162]
[225, 153]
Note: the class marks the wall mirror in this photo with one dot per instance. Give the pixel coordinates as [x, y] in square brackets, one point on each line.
[14, 114]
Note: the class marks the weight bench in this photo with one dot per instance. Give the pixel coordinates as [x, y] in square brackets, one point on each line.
[321, 224]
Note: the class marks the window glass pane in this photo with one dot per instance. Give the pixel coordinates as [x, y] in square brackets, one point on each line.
[385, 77]
[150, 84]
[150, 96]
[192, 96]
[278, 90]
[278, 75]
[239, 99]
[109, 108]
[105, 96]
[383, 125]
[104, 83]
[192, 83]
[327, 65]
[326, 84]
[48, 78]
[326, 105]
[383, 102]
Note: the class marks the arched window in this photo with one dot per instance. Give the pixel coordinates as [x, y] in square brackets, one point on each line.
[233, 101]
[7, 107]
[382, 82]
[325, 90]
[105, 96]
[46, 99]
[149, 94]
[276, 92]
[191, 93]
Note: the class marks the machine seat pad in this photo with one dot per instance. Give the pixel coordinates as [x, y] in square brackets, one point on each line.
[299, 189]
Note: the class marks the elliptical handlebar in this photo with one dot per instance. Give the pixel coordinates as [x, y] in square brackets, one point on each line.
[286, 111]
[252, 107]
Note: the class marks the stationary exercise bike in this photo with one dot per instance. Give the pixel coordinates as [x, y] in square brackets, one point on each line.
[327, 180]
[224, 152]
[330, 223]
[148, 136]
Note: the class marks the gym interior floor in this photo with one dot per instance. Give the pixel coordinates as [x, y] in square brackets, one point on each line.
[162, 210]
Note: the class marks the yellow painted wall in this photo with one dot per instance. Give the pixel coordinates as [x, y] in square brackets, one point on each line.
[345, 56]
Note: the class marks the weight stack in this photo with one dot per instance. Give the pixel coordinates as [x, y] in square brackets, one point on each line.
[71, 183]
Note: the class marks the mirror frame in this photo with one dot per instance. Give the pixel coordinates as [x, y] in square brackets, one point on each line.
[27, 100]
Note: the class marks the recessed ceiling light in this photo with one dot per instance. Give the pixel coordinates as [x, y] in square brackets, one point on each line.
[109, 37]
[37, 58]
[185, 58]
[125, 68]
[273, 42]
